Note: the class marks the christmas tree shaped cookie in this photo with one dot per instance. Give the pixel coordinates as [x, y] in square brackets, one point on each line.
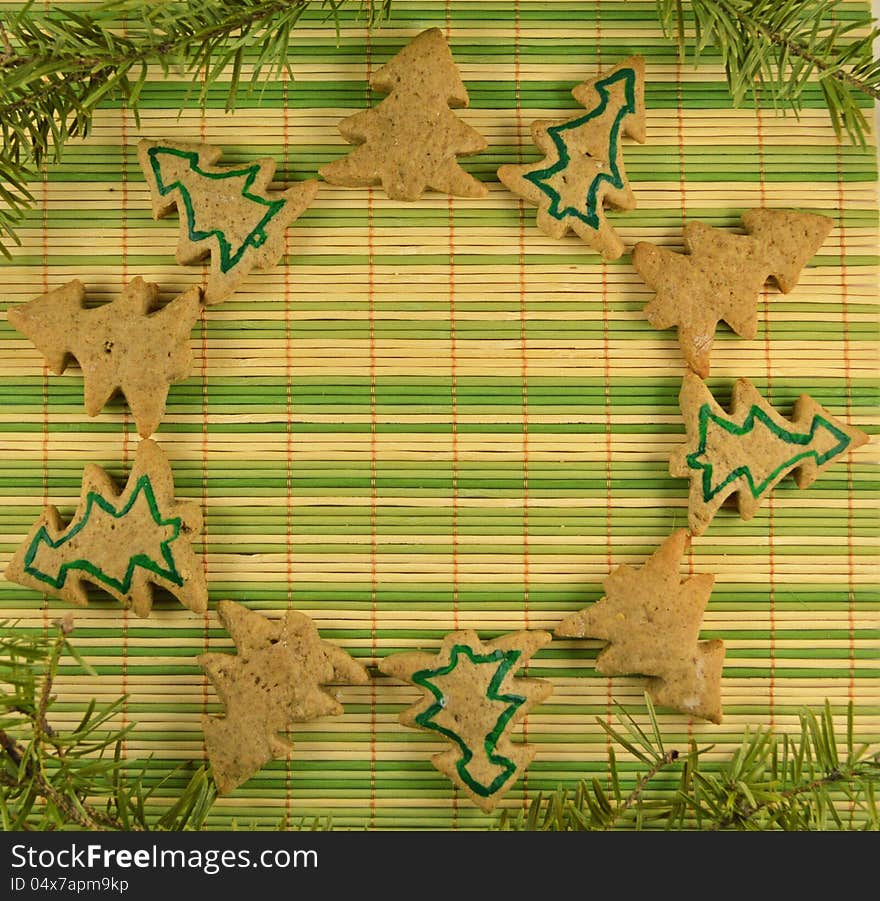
[225, 211]
[721, 275]
[650, 620]
[471, 698]
[123, 543]
[748, 451]
[409, 142]
[276, 679]
[126, 345]
[582, 171]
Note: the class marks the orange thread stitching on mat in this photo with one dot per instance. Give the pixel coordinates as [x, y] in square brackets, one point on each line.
[523, 332]
[288, 372]
[454, 398]
[203, 323]
[768, 363]
[44, 446]
[847, 364]
[453, 375]
[123, 122]
[850, 561]
[606, 379]
[524, 369]
[374, 541]
[682, 185]
[844, 300]
[523, 335]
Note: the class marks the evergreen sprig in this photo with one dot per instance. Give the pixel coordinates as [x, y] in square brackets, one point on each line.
[805, 782]
[52, 778]
[772, 49]
[58, 67]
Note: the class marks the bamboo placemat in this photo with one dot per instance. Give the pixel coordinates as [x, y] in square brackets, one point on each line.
[435, 417]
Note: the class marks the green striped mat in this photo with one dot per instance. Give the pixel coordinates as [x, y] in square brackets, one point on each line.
[435, 417]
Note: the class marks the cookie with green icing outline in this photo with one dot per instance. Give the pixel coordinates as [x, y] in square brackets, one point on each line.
[582, 170]
[748, 451]
[227, 212]
[124, 543]
[471, 698]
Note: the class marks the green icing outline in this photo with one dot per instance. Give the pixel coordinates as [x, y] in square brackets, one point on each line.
[92, 499]
[757, 414]
[507, 659]
[257, 236]
[538, 178]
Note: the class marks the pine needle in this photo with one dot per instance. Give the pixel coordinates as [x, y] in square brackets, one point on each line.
[770, 783]
[772, 50]
[58, 67]
[51, 778]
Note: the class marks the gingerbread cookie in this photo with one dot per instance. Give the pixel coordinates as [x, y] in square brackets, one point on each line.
[692, 685]
[126, 345]
[582, 171]
[749, 450]
[225, 211]
[410, 141]
[276, 679]
[123, 543]
[721, 275]
[651, 621]
[471, 698]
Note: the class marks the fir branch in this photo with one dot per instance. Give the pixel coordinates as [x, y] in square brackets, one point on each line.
[803, 782]
[58, 67]
[635, 796]
[772, 49]
[785, 784]
[52, 778]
